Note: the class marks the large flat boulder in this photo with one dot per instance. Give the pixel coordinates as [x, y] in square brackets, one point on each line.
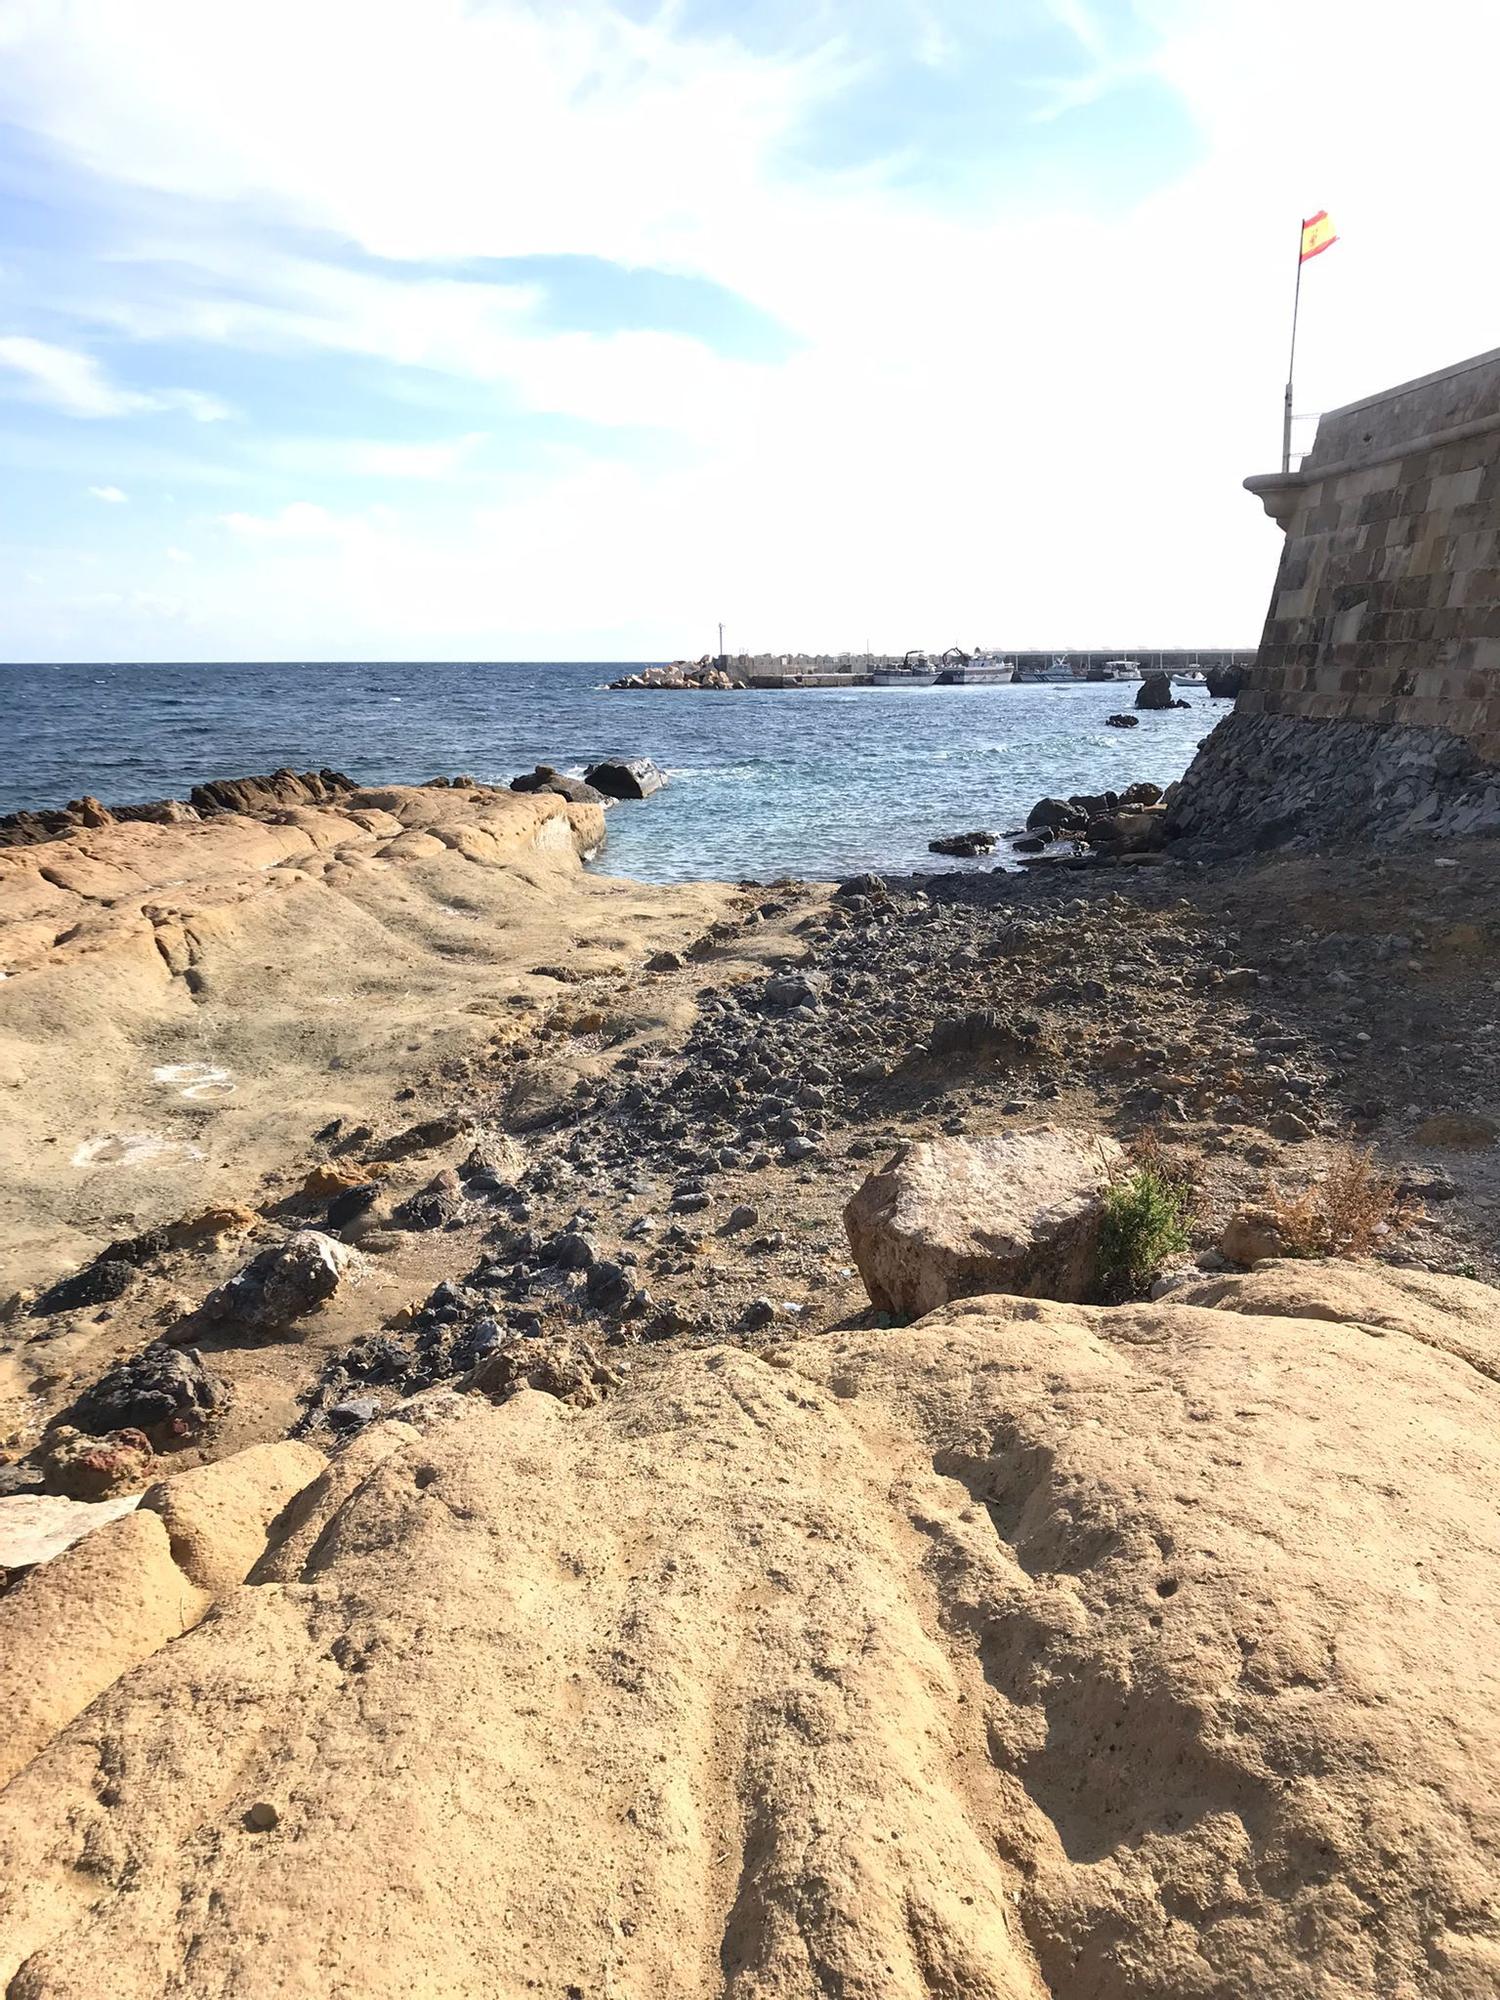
[35, 1527]
[949, 1218]
[1035, 1652]
[625, 777]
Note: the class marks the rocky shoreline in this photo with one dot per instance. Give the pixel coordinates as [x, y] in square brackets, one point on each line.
[594, 1177]
[671, 1235]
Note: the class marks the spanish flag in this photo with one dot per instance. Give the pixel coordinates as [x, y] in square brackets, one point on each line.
[1317, 235]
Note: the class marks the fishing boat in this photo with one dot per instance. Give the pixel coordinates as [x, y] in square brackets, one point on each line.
[915, 670]
[977, 669]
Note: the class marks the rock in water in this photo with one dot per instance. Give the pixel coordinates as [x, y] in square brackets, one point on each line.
[625, 777]
[1144, 1653]
[965, 845]
[545, 779]
[1055, 816]
[948, 1218]
[1155, 691]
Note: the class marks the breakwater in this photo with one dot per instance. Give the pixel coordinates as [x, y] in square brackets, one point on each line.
[987, 667]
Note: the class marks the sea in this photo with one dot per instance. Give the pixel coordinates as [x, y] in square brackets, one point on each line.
[814, 783]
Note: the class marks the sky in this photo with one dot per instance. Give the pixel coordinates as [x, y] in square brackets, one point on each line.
[408, 329]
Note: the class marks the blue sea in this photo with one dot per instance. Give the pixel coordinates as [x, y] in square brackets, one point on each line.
[816, 783]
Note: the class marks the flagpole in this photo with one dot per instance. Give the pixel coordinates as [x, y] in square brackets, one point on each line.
[1286, 415]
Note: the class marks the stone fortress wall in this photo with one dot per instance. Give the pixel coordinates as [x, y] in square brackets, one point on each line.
[1373, 705]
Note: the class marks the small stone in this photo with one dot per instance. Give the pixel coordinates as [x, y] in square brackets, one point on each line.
[1251, 1235]
[573, 1250]
[262, 1817]
[743, 1217]
[353, 1413]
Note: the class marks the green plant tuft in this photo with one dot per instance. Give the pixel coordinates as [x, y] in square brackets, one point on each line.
[1146, 1213]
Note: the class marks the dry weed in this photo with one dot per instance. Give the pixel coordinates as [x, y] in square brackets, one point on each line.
[1347, 1213]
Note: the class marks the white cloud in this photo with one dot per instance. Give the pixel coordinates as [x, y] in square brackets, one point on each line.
[372, 458]
[110, 493]
[178, 555]
[300, 521]
[1020, 422]
[73, 383]
[76, 384]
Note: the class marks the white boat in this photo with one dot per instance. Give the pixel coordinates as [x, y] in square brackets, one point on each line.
[1122, 670]
[1191, 677]
[976, 669]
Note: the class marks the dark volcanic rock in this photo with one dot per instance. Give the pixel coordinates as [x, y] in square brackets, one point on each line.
[436, 1206]
[286, 1281]
[859, 886]
[1055, 816]
[965, 845]
[167, 1392]
[95, 1285]
[1156, 692]
[625, 777]
[1122, 722]
[545, 779]
[982, 1033]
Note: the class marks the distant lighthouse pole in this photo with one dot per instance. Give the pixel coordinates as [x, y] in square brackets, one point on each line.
[721, 642]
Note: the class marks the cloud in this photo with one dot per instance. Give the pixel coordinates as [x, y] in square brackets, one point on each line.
[178, 556]
[522, 129]
[299, 521]
[371, 458]
[109, 493]
[76, 384]
[1018, 414]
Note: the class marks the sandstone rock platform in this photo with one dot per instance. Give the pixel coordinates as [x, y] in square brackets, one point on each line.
[1137, 1653]
[186, 1000]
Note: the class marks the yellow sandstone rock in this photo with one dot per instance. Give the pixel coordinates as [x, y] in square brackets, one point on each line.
[1032, 1652]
